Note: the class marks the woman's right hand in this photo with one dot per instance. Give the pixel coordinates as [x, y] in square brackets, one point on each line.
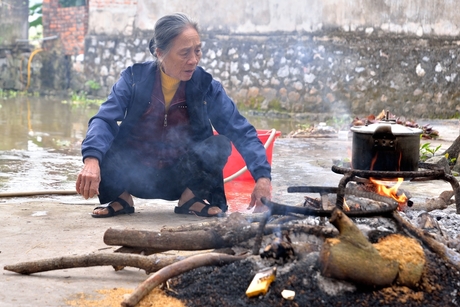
[89, 178]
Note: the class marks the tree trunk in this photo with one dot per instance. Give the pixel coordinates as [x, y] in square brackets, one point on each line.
[454, 150]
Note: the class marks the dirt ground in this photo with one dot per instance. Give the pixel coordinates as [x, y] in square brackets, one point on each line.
[47, 227]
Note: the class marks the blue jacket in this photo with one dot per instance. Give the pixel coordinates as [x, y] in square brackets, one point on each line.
[207, 103]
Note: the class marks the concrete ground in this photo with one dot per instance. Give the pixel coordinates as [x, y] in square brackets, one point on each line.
[47, 227]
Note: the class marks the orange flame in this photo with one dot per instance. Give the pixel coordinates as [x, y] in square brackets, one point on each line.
[345, 206]
[383, 189]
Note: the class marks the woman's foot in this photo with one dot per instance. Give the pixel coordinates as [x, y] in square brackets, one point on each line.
[116, 206]
[197, 206]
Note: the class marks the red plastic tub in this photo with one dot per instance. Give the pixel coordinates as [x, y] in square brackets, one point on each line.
[235, 161]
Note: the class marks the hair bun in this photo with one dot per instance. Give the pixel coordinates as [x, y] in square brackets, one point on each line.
[152, 46]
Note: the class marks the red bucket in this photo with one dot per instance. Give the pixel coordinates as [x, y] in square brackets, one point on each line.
[235, 161]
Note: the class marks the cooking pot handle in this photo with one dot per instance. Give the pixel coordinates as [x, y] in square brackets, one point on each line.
[384, 138]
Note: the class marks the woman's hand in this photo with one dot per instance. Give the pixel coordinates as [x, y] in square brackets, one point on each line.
[261, 189]
[89, 178]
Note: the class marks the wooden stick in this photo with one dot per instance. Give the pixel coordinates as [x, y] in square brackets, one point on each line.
[37, 193]
[176, 269]
[147, 263]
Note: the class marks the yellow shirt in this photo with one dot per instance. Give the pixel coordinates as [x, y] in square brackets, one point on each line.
[169, 86]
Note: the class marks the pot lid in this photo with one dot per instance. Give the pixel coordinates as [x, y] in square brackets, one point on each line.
[396, 129]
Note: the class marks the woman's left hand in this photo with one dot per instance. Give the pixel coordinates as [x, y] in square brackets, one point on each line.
[89, 178]
[261, 189]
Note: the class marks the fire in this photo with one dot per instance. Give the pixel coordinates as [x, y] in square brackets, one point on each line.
[383, 189]
[345, 206]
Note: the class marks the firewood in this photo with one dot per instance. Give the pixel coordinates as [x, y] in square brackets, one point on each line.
[191, 227]
[353, 258]
[175, 269]
[191, 240]
[149, 264]
[138, 250]
[441, 202]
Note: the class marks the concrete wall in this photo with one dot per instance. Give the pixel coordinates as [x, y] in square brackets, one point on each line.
[414, 17]
[13, 21]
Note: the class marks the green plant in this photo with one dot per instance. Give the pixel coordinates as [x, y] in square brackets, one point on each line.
[13, 94]
[275, 104]
[451, 161]
[93, 85]
[79, 100]
[35, 13]
[427, 151]
[35, 22]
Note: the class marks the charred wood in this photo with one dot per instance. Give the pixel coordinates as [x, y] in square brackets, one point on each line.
[280, 209]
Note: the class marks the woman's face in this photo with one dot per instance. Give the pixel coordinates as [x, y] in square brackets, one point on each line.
[183, 57]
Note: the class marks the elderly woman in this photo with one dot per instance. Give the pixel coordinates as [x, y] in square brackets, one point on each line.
[153, 137]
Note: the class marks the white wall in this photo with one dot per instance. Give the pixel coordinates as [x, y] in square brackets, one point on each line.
[420, 17]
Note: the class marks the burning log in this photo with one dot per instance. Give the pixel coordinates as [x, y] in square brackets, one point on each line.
[228, 233]
[352, 257]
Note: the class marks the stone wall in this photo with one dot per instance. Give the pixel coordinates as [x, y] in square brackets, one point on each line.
[46, 70]
[327, 72]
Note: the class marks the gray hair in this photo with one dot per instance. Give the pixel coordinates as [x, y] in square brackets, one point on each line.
[167, 28]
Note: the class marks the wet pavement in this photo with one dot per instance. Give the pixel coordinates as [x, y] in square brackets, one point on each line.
[35, 228]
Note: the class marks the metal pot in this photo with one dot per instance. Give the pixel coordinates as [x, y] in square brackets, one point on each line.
[386, 146]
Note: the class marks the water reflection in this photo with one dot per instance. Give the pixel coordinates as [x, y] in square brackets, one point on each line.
[40, 140]
[47, 123]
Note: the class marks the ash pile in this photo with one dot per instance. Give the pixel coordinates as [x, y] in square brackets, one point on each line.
[389, 260]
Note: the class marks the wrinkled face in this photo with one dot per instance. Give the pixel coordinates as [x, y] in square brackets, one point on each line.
[183, 57]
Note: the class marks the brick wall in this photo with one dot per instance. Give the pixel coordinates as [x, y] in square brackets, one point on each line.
[70, 24]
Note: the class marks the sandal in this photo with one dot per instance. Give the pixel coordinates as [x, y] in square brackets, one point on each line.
[127, 209]
[185, 208]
